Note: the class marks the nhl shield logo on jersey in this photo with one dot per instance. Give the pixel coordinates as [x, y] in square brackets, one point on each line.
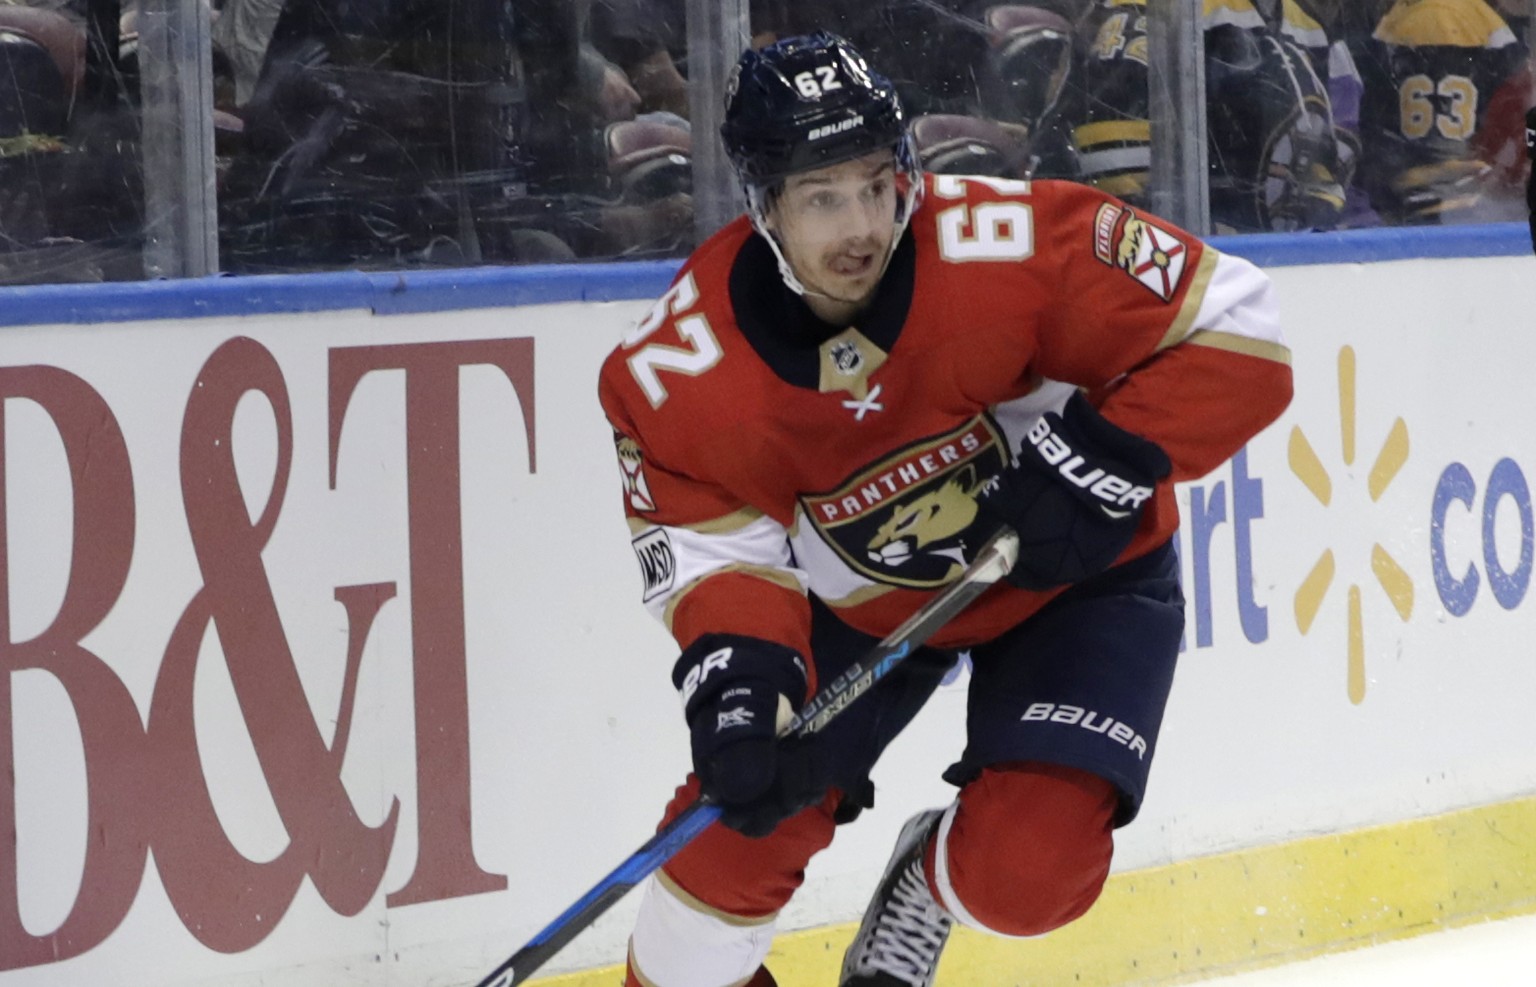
[846, 357]
[637, 493]
[1148, 253]
[907, 520]
[848, 360]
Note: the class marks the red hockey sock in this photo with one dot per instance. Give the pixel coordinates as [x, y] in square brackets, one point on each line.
[1029, 848]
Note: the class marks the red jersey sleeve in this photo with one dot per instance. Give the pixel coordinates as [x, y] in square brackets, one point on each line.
[1176, 342]
[709, 561]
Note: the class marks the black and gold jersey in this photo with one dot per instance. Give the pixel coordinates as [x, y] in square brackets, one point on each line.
[1432, 70]
[1112, 132]
[1281, 157]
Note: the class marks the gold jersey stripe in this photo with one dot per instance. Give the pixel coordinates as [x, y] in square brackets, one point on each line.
[1247, 345]
[1295, 14]
[1121, 186]
[1108, 131]
[676, 891]
[861, 595]
[1449, 205]
[1439, 172]
[1452, 23]
[1199, 282]
[776, 576]
[723, 525]
[1238, 13]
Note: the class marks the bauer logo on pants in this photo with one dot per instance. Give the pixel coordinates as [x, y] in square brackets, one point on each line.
[1088, 719]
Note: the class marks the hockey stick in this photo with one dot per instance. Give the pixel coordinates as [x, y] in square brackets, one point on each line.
[991, 564]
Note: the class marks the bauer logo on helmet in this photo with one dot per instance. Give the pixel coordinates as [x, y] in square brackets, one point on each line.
[842, 126]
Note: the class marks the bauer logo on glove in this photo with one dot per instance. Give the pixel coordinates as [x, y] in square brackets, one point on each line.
[1114, 491]
[716, 661]
[1074, 496]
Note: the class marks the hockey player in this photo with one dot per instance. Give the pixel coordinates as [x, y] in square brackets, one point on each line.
[1435, 70]
[842, 394]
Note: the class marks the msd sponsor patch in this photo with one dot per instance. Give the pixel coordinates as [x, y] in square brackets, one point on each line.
[1148, 253]
[658, 563]
[907, 519]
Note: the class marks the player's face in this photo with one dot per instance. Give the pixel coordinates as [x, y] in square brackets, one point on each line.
[835, 226]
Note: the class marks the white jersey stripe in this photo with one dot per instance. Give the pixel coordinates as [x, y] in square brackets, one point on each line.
[1239, 301]
[693, 555]
[677, 945]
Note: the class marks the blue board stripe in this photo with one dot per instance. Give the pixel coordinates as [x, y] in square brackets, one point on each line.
[1372, 246]
[396, 293]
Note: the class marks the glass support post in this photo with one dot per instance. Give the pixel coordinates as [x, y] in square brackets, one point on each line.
[176, 84]
[718, 30]
[1180, 176]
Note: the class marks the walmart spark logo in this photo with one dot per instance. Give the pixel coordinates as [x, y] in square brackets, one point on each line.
[1390, 575]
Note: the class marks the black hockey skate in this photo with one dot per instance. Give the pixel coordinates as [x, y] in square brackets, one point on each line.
[904, 929]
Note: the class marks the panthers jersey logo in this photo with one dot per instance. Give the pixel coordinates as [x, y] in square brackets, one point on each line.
[909, 520]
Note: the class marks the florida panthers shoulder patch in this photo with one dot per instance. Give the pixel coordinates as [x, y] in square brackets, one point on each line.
[1147, 252]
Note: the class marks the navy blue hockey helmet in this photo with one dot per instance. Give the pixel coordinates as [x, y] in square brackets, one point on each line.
[808, 102]
[804, 103]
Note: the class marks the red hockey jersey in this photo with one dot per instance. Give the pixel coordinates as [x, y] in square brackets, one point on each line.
[766, 454]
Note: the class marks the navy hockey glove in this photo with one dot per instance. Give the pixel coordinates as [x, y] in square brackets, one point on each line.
[1074, 496]
[731, 687]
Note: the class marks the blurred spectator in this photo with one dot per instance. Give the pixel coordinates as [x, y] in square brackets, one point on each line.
[1446, 83]
[242, 30]
[403, 132]
[42, 62]
[646, 39]
[71, 200]
[1281, 96]
[73, 10]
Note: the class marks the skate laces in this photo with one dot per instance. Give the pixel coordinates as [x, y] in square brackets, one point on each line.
[909, 931]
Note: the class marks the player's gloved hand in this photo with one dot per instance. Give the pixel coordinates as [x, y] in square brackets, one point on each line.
[1075, 495]
[735, 689]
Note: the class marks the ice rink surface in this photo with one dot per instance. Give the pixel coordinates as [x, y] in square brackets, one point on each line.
[1492, 954]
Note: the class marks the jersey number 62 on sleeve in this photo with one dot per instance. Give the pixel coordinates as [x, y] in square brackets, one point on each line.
[701, 352]
[985, 230]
